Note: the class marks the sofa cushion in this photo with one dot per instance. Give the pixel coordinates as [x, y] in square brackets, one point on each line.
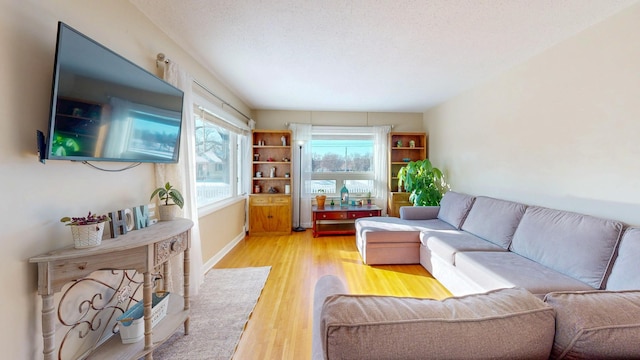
[596, 324]
[384, 223]
[474, 326]
[494, 220]
[494, 270]
[625, 273]
[577, 245]
[454, 208]
[447, 243]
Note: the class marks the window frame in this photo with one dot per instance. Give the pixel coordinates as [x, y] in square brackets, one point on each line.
[357, 133]
[238, 139]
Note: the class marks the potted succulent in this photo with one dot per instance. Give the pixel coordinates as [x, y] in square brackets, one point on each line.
[86, 230]
[321, 198]
[425, 183]
[166, 210]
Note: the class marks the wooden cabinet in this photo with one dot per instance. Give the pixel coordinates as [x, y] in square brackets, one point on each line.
[403, 148]
[145, 251]
[269, 214]
[270, 201]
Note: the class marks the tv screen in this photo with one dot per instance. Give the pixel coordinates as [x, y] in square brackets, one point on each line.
[106, 108]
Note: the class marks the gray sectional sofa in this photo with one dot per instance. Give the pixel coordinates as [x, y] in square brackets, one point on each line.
[531, 282]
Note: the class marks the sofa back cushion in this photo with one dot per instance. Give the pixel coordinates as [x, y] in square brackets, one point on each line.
[625, 273]
[576, 245]
[596, 324]
[494, 220]
[479, 326]
[454, 208]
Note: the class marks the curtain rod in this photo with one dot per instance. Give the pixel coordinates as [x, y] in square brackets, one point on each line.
[161, 59]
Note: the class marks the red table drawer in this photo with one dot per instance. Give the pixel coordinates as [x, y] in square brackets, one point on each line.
[329, 215]
[362, 214]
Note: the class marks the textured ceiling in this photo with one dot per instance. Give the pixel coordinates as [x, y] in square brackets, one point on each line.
[366, 55]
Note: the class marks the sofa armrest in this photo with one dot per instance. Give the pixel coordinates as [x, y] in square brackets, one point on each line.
[488, 325]
[419, 212]
[326, 286]
[596, 324]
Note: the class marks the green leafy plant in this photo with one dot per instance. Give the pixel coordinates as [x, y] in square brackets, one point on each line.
[85, 220]
[425, 182]
[168, 192]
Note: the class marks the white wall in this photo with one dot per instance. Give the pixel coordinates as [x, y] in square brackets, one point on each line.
[277, 119]
[36, 196]
[561, 130]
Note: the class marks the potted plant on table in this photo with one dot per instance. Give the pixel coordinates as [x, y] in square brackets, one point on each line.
[86, 230]
[321, 198]
[166, 210]
[425, 182]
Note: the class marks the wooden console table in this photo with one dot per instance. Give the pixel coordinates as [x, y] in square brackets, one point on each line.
[337, 220]
[142, 250]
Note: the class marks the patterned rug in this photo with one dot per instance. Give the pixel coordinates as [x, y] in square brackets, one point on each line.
[218, 315]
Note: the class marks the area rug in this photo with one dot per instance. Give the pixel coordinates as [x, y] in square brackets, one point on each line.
[218, 315]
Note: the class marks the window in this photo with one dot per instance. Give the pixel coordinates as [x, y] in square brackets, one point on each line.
[342, 156]
[218, 158]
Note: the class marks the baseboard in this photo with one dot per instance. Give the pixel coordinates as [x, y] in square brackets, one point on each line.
[225, 250]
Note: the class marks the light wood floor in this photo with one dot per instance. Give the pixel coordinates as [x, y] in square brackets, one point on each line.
[281, 324]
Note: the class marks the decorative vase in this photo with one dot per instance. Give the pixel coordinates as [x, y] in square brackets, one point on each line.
[167, 212]
[85, 236]
[320, 199]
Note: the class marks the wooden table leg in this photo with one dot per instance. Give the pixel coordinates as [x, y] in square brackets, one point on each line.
[48, 326]
[147, 294]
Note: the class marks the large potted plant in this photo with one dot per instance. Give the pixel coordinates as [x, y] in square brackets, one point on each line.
[425, 182]
[166, 210]
[86, 230]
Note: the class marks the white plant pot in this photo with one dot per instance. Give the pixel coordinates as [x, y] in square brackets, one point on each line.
[167, 212]
[85, 236]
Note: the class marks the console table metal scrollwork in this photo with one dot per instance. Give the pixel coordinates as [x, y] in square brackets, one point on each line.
[144, 251]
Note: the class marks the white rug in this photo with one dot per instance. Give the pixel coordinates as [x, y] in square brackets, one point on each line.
[218, 315]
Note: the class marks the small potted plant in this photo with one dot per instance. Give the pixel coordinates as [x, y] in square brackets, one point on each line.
[369, 198]
[86, 230]
[166, 210]
[321, 198]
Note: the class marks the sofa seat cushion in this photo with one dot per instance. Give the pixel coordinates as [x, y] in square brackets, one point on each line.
[577, 245]
[494, 270]
[475, 326]
[454, 208]
[447, 243]
[596, 324]
[494, 220]
[625, 273]
[383, 223]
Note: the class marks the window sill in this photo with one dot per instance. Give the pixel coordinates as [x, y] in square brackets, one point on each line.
[211, 208]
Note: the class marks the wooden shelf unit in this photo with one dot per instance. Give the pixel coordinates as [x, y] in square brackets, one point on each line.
[270, 203]
[403, 148]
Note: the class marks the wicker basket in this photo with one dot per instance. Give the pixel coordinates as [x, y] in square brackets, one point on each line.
[87, 235]
[132, 321]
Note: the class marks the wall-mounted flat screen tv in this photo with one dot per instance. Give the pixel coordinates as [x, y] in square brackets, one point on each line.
[106, 108]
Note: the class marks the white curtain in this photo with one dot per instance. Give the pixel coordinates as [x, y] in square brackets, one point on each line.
[301, 160]
[183, 177]
[381, 149]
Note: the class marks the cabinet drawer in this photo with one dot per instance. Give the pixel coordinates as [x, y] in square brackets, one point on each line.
[258, 200]
[331, 215]
[281, 200]
[361, 214]
[401, 197]
[164, 250]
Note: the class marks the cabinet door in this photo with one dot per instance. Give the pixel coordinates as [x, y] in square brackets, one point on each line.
[259, 220]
